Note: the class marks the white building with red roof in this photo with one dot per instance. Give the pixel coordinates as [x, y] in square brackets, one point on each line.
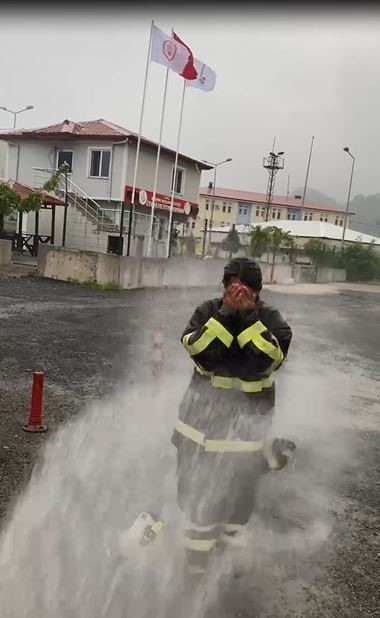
[101, 158]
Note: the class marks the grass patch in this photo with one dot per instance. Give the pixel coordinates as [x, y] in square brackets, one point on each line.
[94, 285]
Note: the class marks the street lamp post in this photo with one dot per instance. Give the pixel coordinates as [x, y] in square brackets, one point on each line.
[15, 113]
[215, 165]
[346, 149]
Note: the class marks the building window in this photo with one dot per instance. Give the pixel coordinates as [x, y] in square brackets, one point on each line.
[193, 225]
[341, 222]
[179, 180]
[263, 212]
[217, 206]
[310, 217]
[279, 214]
[257, 212]
[100, 163]
[229, 209]
[207, 205]
[224, 208]
[65, 156]
[336, 221]
[305, 218]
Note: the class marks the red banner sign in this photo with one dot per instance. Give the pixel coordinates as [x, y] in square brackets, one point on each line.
[144, 198]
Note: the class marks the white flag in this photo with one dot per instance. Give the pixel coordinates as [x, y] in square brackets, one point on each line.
[165, 50]
[206, 77]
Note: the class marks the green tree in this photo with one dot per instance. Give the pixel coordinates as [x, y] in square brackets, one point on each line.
[278, 240]
[231, 243]
[10, 200]
[317, 251]
[362, 263]
[260, 240]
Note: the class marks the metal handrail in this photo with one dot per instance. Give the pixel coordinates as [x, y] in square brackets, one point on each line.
[81, 200]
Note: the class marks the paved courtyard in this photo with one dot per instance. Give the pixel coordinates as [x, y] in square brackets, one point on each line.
[318, 553]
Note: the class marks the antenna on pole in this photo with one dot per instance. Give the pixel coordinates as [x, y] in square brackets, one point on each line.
[272, 163]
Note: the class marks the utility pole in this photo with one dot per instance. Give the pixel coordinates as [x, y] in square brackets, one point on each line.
[273, 163]
[307, 177]
[215, 165]
[346, 149]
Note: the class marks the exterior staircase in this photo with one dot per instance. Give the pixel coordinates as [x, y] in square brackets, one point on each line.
[89, 224]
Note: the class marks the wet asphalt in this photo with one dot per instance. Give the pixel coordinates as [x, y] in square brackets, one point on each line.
[91, 342]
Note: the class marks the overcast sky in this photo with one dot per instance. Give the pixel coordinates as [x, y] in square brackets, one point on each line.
[290, 76]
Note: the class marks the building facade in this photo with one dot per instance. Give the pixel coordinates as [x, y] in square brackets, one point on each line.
[244, 207]
[101, 158]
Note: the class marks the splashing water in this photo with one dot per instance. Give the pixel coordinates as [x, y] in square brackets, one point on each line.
[60, 554]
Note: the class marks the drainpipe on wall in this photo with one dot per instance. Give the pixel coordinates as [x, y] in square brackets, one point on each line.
[126, 141]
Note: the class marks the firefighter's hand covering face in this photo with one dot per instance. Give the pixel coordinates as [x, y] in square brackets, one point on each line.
[239, 297]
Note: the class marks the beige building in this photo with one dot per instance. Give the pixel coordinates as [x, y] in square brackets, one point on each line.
[232, 206]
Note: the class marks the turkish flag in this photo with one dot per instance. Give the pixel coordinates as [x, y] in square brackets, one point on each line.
[189, 72]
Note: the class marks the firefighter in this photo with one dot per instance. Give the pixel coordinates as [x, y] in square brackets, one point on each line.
[236, 343]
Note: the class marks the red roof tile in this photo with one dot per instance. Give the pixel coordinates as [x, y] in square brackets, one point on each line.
[88, 129]
[25, 190]
[281, 201]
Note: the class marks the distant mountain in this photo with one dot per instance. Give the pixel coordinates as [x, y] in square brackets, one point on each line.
[315, 196]
[366, 217]
[365, 209]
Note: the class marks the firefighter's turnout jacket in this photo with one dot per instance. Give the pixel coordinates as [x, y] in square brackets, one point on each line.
[235, 356]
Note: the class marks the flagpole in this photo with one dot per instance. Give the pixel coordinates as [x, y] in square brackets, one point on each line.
[131, 212]
[157, 164]
[175, 170]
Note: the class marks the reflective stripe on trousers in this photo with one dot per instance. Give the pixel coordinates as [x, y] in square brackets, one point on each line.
[217, 446]
[226, 536]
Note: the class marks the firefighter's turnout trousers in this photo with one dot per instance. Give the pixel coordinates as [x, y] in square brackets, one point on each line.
[217, 478]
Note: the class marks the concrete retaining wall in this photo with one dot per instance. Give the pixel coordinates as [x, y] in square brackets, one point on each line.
[132, 272]
[5, 251]
[312, 274]
[331, 275]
